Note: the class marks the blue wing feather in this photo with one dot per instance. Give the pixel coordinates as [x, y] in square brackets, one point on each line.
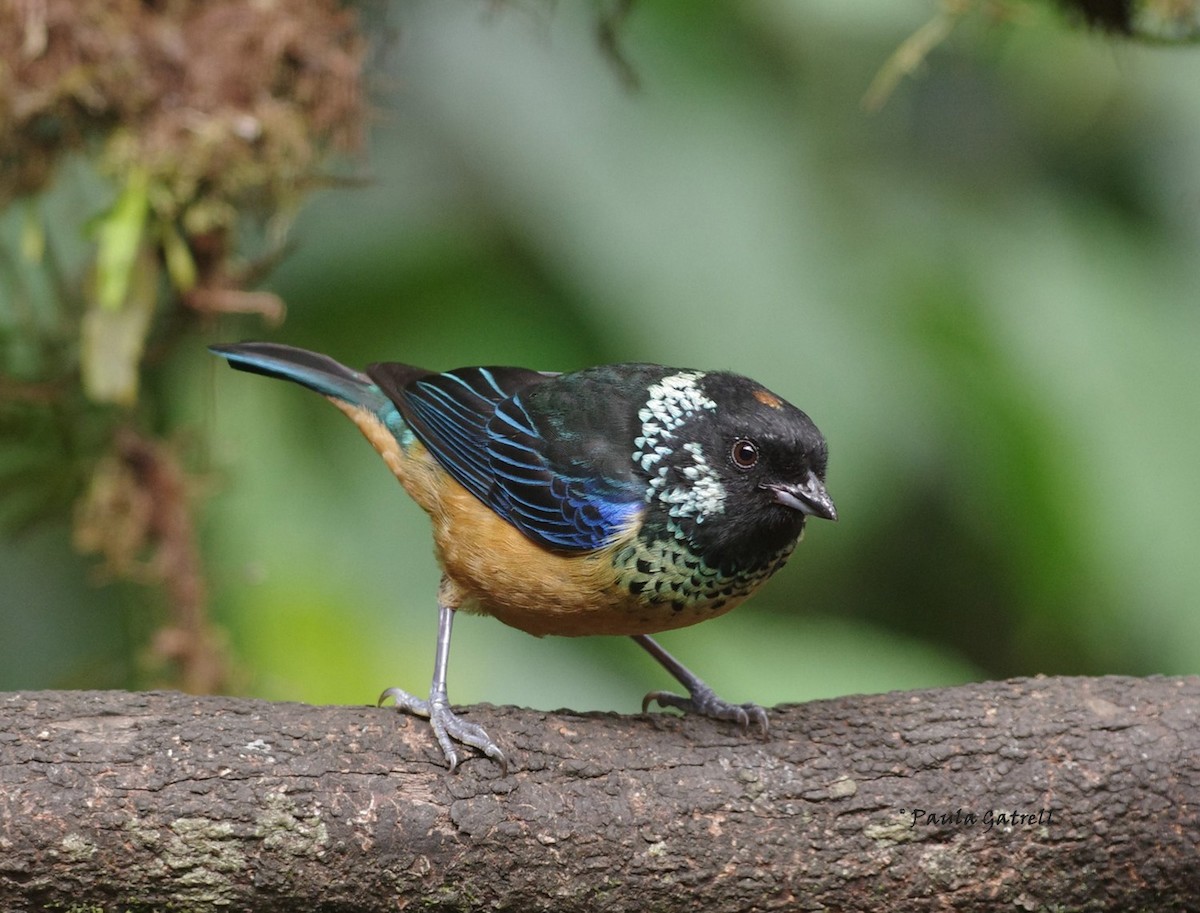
[475, 424]
[564, 508]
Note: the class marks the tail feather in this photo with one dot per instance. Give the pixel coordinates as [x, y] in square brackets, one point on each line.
[309, 369]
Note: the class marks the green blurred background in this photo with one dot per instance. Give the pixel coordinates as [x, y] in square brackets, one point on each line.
[985, 294]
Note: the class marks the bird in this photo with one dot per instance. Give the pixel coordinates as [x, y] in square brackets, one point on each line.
[622, 499]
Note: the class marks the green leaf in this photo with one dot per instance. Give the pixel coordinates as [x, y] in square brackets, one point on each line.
[118, 239]
[113, 339]
[181, 267]
[33, 233]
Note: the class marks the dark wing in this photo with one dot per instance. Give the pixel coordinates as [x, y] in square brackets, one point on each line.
[569, 505]
[474, 423]
[449, 413]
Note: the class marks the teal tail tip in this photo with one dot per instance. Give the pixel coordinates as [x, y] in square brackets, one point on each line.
[309, 369]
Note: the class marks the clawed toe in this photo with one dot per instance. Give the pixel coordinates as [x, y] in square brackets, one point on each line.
[448, 727]
[705, 703]
[405, 702]
[701, 699]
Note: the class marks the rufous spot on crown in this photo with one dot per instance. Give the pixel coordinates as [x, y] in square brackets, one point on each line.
[768, 399]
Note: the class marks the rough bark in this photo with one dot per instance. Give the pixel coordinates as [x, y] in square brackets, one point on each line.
[118, 801]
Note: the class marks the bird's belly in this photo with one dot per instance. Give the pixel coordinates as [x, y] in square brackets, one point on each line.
[496, 570]
[628, 587]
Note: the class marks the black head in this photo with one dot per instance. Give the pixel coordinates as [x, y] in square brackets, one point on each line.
[730, 467]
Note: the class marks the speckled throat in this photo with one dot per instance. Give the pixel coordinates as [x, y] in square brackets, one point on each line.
[666, 574]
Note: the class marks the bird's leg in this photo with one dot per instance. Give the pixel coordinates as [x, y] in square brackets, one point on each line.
[447, 726]
[701, 699]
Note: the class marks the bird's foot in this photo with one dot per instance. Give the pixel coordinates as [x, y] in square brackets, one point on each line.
[703, 700]
[448, 727]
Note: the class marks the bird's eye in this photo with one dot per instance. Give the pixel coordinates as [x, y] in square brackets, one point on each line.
[744, 454]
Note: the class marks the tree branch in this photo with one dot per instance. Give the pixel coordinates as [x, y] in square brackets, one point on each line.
[1021, 795]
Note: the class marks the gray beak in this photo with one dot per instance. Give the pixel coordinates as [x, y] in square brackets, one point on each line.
[808, 497]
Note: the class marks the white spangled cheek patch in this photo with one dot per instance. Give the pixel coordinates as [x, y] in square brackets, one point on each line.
[689, 489]
[702, 495]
